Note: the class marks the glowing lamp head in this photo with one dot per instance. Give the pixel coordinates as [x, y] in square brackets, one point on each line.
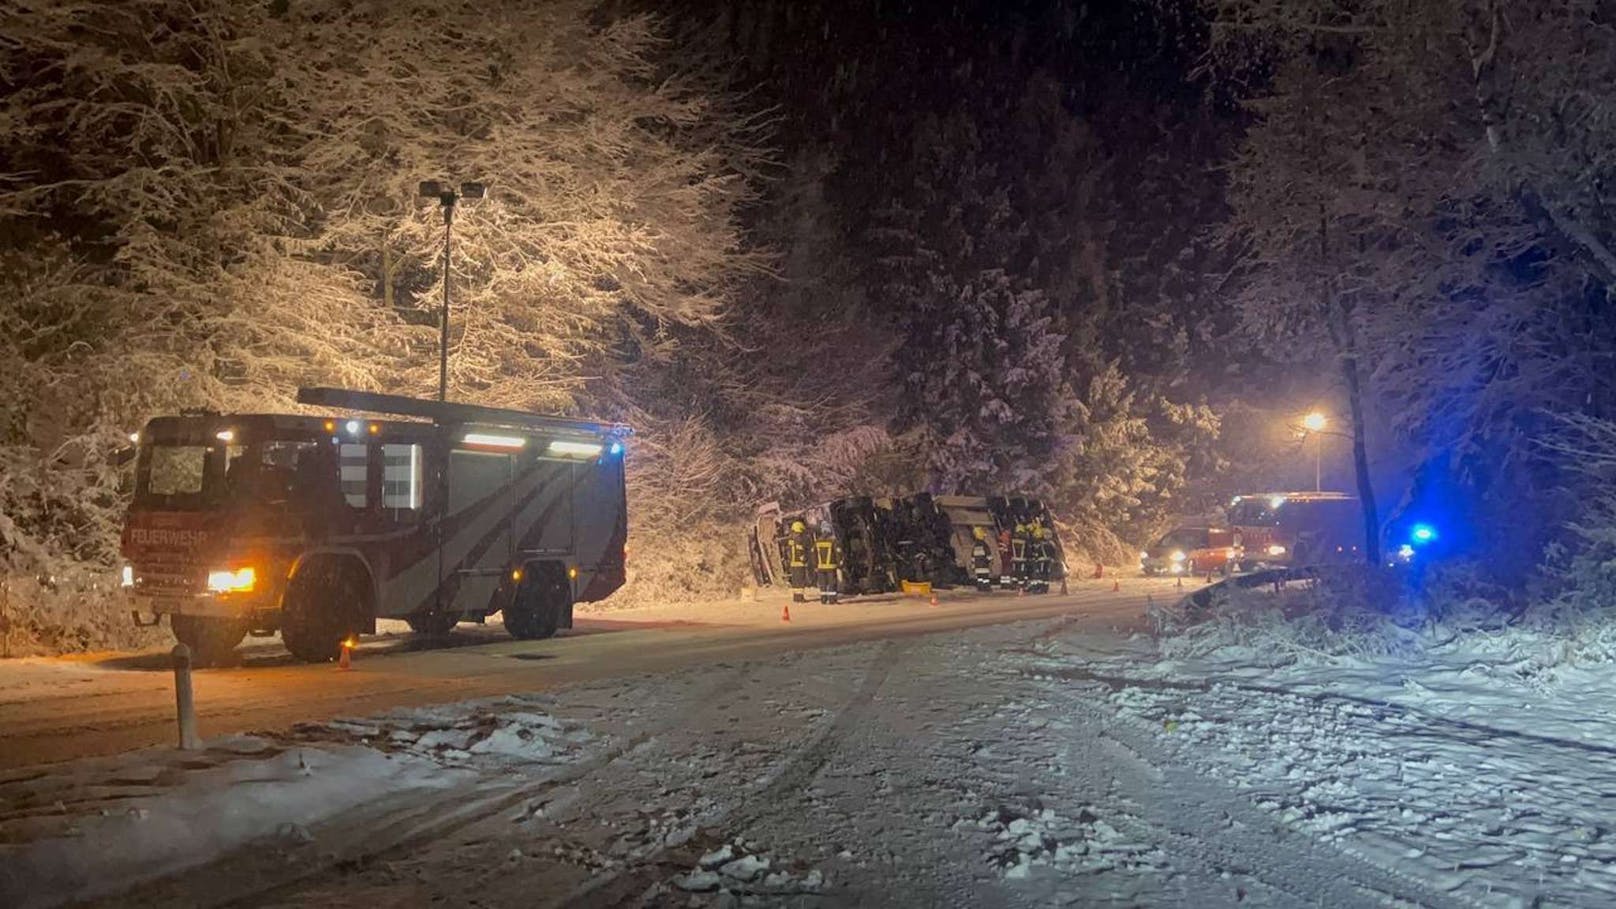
[241, 580]
[1422, 533]
[1314, 422]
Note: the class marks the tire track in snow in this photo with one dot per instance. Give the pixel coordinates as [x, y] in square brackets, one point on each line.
[256, 876]
[1201, 820]
[629, 885]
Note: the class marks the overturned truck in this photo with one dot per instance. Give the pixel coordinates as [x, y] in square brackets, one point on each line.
[916, 538]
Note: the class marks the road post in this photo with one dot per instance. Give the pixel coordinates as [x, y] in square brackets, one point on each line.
[184, 701]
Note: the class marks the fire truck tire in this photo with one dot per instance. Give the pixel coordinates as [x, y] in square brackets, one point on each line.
[540, 601]
[211, 640]
[326, 603]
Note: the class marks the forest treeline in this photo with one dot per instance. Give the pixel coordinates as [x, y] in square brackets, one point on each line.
[1097, 252]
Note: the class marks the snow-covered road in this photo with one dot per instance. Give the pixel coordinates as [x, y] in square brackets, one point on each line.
[1049, 761]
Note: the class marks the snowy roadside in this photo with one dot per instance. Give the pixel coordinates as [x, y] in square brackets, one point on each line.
[1030, 764]
[1482, 764]
[93, 828]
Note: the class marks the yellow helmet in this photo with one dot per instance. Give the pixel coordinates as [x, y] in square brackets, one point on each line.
[979, 532]
[798, 527]
[1021, 528]
[1037, 532]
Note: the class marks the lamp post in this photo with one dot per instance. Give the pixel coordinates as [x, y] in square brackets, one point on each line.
[447, 197]
[1315, 423]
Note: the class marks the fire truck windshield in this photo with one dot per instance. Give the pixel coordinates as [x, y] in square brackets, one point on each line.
[181, 476]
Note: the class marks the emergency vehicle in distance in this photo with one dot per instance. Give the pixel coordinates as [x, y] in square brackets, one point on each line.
[1294, 529]
[315, 526]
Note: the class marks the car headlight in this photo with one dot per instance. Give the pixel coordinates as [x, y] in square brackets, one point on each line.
[127, 577]
[1276, 549]
[238, 581]
[1179, 556]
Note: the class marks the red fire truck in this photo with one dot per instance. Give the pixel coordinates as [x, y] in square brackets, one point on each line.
[315, 526]
[1295, 529]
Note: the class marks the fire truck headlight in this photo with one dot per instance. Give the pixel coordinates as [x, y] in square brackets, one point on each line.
[1178, 555]
[127, 577]
[237, 581]
[1276, 550]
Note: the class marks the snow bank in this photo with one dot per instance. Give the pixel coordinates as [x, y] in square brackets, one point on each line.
[499, 731]
[1025, 839]
[232, 799]
[1465, 751]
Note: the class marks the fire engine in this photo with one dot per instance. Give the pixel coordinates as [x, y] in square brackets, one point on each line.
[316, 526]
[1295, 529]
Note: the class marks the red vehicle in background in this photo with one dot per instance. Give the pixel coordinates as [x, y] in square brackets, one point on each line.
[1190, 550]
[1294, 529]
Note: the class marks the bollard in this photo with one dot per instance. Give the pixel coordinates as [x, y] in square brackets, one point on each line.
[184, 702]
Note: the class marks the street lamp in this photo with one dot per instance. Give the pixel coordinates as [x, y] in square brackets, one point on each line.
[447, 197]
[1315, 423]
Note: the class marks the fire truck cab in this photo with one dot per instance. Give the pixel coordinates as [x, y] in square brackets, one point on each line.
[315, 526]
[1294, 529]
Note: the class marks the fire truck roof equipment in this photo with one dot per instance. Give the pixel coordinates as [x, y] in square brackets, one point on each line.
[451, 412]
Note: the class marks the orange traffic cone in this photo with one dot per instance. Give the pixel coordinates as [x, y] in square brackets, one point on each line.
[345, 655]
[934, 599]
[785, 612]
[1116, 586]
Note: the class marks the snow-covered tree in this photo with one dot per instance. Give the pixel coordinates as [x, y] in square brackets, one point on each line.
[1422, 199]
[211, 203]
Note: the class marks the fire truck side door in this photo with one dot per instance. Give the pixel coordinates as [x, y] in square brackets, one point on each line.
[477, 521]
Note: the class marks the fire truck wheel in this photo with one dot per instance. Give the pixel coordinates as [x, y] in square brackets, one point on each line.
[325, 604]
[535, 611]
[211, 640]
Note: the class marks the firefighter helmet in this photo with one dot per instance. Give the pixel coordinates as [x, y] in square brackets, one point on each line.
[825, 528]
[798, 527]
[979, 532]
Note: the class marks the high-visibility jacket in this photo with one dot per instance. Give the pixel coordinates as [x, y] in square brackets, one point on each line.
[797, 551]
[827, 554]
[981, 557]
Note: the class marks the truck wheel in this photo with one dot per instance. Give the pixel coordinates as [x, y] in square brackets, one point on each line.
[211, 640]
[325, 605]
[432, 623]
[535, 610]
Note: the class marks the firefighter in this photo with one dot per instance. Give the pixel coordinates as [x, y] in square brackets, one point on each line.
[1040, 556]
[827, 559]
[797, 546]
[1006, 567]
[1018, 554]
[981, 559]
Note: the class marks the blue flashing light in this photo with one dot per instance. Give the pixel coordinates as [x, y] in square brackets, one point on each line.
[616, 448]
[1422, 533]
